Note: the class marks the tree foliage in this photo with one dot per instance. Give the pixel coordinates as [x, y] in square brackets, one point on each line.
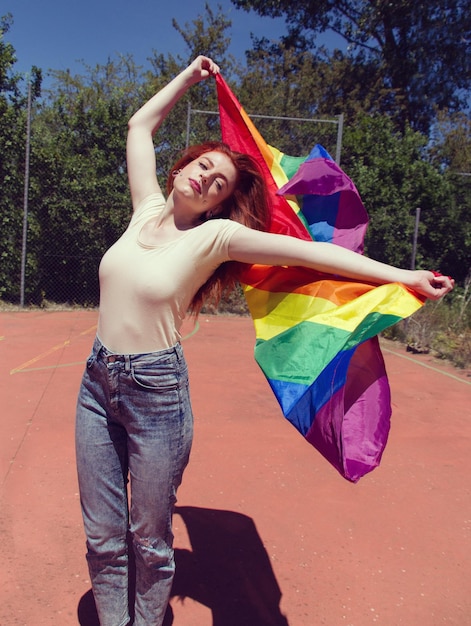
[298, 125]
[205, 35]
[450, 152]
[395, 179]
[12, 162]
[78, 195]
[416, 51]
[78, 159]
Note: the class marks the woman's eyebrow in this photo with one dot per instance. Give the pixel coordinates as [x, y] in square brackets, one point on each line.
[211, 163]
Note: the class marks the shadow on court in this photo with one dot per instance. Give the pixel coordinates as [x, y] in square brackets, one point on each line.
[227, 570]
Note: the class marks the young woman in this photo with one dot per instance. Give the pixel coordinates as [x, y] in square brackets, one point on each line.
[134, 415]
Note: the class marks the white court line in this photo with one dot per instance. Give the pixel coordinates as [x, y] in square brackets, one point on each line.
[430, 367]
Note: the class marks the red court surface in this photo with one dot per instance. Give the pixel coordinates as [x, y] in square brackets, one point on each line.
[267, 533]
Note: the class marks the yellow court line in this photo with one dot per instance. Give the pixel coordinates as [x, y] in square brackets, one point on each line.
[59, 346]
[24, 367]
[89, 330]
[46, 367]
[40, 356]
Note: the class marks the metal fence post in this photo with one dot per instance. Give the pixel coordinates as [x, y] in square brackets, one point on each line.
[338, 150]
[416, 235]
[188, 124]
[25, 199]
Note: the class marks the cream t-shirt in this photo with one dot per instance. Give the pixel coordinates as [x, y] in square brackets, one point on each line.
[145, 290]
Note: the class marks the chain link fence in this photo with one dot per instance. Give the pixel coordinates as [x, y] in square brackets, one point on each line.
[59, 257]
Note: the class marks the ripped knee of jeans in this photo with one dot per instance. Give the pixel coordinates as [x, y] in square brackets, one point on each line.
[155, 552]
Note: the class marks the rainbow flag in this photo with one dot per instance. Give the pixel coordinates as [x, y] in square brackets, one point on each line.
[316, 334]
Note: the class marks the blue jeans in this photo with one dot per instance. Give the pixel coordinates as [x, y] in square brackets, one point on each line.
[134, 419]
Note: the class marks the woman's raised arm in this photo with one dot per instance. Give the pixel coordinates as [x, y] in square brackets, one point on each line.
[144, 123]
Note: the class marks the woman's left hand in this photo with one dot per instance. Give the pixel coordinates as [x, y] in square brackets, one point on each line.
[432, 285]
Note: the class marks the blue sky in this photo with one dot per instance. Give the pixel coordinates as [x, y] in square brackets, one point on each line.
[59, 34]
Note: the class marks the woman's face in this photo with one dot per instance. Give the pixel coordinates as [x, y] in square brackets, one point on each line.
[206, 182]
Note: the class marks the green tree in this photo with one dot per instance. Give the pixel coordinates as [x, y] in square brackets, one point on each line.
[316, 84]
[451, 152]
[451, 142]
[13, 115]
[285, 85]
[416, 51]
[395, 176]
[206, 35]
[81, 200]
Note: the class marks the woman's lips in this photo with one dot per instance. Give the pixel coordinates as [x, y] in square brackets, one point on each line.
[195, 184]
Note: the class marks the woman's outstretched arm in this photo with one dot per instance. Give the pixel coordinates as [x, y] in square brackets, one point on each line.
[251, 246]
[145, 122]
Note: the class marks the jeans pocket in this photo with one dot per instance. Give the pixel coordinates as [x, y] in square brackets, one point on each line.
[155, 379]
